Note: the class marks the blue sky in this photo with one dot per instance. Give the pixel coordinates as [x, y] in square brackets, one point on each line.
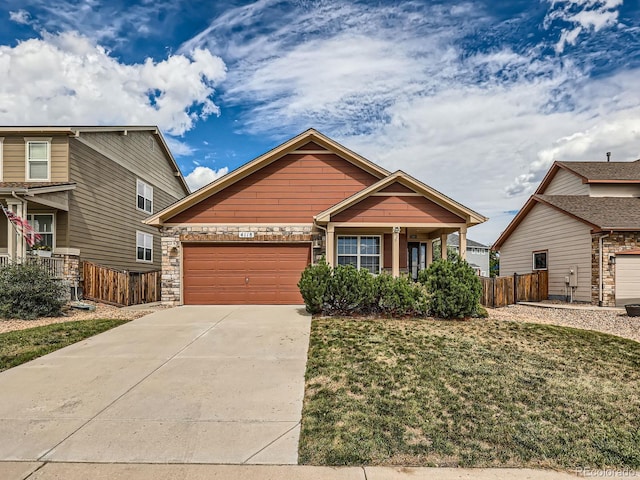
[475, 98]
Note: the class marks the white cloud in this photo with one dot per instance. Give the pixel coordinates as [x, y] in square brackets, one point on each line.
[68, 79]
[395, 84]
[201, 176]
[179, 148]
[584, 15]
[20, 16]
[102, 21]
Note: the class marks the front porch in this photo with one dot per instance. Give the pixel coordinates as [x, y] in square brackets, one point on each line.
[395, 249]
[45, 241]
[392, 226]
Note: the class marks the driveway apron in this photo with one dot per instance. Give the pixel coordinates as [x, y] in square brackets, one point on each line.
[210, 384]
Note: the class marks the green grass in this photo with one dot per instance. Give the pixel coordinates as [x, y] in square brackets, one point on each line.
[20, 346]
[476, 393]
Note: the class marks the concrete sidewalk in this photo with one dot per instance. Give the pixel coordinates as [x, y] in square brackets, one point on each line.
[183, 385]
[85, 471]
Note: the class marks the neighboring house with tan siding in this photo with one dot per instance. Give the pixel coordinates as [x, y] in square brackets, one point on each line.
[582, 225]
[86, 191]
[246, 237]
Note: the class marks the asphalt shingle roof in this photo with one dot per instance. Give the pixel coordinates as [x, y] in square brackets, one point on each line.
[33, 184]
[605, 170]
[608, 213]
[454, 240]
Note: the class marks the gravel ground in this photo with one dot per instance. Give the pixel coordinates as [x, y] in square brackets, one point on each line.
[73, 315]
[607, 321]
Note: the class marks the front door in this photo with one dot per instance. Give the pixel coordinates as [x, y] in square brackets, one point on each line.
[417, 258]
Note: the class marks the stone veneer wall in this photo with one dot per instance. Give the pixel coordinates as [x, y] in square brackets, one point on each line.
[612, 244]
[173, 236]
[70, 275]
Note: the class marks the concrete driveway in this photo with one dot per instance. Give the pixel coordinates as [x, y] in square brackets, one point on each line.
[183, 385]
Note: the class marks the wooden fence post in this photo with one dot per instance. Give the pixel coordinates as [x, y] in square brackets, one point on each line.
[515, 288]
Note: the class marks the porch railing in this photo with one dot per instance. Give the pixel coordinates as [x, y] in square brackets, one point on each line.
[53, 265]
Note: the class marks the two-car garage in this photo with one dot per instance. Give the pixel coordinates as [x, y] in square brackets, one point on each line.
[243, 273]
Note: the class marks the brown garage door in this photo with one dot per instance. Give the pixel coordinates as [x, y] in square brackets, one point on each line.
[243, 274]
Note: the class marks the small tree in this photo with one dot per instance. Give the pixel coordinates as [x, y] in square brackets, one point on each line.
[313, 286]
[494, 263]
[28, 291]
[454, 287]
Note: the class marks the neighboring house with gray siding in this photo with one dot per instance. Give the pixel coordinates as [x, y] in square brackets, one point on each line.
[477, 253]
[582, 225]
[86, 190]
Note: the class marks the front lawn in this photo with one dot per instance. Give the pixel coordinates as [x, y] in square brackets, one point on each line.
[20, 346]
[477, 393]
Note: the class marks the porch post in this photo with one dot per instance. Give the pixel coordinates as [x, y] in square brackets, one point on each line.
[11, 234]
[16, 244]
[429, 259]
[395, 252]
[463, 242]
[22, 243]
[331, 237]
[443, 245]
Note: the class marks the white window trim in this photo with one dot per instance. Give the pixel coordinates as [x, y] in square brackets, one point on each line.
[533, 260]
[1, 158]
[358, 254]
[138, 232]
[53, 225]
[146, 185]
[27, 174]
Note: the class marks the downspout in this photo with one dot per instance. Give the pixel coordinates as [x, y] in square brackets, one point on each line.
[601, 272]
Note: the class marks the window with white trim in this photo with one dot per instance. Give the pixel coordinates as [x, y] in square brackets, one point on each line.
[43, 225]
[38, 159]
[144, 194]
[540, 260]
[144, 247]
[361, 251]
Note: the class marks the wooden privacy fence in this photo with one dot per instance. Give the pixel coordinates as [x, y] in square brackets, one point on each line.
[115, 287]
[502, 291]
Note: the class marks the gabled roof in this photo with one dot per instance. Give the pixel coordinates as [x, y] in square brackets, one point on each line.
[595, 172]
[600, 213]
[605, 172]
[472, 217]
[454, 240]
[76, 131]
[606, 213]
[256, 164]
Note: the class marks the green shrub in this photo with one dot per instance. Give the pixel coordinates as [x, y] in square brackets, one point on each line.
[27, 291]
[350, 291]
[454, 287]
[400, 297]
[313, 286]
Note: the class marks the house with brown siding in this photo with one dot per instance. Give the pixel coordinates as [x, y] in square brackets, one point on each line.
[86, 191]
[246, 237]
[582, 225]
